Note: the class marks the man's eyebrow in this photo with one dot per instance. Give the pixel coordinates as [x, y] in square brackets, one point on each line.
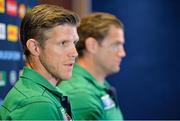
[120, 42]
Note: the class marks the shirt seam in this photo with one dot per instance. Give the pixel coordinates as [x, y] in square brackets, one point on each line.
[20, 91]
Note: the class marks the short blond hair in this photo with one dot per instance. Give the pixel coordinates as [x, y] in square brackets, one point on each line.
[95, 25]
[40, 19]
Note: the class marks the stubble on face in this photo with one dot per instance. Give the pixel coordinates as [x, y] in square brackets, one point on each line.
[56, 58]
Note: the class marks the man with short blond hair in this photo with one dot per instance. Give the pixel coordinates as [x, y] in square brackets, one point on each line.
[48, 35]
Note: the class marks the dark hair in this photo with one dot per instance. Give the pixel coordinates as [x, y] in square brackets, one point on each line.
[95, 25]
[41, 18]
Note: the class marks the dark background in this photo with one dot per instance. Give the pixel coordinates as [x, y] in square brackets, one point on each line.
[148, 84]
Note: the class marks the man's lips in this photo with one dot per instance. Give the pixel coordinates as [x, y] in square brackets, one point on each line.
[69, 65]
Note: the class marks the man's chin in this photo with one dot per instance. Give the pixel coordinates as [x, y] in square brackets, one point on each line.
[68, 77]
[116, 70]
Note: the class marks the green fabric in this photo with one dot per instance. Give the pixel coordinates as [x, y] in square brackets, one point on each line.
[32, 98]
[85, 94]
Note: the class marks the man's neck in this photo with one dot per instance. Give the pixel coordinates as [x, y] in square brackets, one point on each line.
[38, 67]
[92, 68]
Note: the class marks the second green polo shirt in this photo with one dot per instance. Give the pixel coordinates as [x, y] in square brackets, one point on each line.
[89, 99]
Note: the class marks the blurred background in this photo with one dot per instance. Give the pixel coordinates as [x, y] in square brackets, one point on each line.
[148, 84]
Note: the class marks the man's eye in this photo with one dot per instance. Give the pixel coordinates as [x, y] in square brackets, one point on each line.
[64, 43]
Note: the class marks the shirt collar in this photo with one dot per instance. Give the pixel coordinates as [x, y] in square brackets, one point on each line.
[83, 72]
[39, 79]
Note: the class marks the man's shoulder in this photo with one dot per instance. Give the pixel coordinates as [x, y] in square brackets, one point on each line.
[15, 100]
[31, 105]
[18, 97]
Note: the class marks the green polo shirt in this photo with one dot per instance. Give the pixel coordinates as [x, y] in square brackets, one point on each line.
[89, 99]
[32, 98]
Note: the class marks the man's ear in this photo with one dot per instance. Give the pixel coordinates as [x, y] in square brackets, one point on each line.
[33, 47]
[91, 45]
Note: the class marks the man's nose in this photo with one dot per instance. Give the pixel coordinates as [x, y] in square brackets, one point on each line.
[74, 52]
[122, 52]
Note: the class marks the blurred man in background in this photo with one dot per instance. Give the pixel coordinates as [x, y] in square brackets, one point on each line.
[100, 49]
[48, 36]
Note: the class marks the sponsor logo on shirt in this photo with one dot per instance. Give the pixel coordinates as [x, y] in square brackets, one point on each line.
[2, 31]
[11, 7]
[12, 33]
[2, 78]
[2, 6]
[107, 102]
